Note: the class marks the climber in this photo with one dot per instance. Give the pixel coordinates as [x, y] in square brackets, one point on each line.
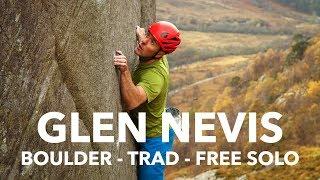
[146, 90]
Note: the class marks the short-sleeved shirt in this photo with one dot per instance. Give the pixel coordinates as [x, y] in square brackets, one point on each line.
[154, 79]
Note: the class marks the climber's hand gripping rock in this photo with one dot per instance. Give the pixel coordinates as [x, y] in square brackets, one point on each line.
[120, 61]
[140, 33]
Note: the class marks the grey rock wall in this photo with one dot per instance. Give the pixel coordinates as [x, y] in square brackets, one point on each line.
[57, 55]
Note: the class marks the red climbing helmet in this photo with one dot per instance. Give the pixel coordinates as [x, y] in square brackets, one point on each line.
[166, 34]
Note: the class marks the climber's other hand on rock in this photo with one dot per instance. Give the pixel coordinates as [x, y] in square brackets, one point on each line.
[141, 33]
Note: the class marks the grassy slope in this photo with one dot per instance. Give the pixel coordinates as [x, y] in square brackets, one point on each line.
[194, 14]
[201, 20]
[225, 40]
[296, 77]
[242, 11]
[205, 69]
[204, 94]
[198, 46]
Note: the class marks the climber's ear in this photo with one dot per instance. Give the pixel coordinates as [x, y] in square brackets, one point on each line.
[160, 54]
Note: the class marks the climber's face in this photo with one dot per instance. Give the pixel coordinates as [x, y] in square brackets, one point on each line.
[147, 47]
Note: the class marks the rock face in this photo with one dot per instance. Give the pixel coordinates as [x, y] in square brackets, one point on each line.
[57, 56]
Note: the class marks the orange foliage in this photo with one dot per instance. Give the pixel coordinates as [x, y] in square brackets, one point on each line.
[314, 89]
[269, 63]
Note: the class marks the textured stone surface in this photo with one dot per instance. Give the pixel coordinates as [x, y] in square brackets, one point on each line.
[57, 56]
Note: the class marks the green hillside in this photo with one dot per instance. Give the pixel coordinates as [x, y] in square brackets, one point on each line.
[243, 16]
[287, 82]
[216, 28]
[312, 7]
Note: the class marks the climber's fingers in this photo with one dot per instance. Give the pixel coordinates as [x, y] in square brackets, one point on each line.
[120, 64]
[140, 32]
[119, 57]
[118, 52]
[120, 60]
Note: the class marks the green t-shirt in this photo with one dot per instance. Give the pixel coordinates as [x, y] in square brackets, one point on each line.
[154, 79]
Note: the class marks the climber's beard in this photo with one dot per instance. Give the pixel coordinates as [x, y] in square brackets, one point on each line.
[143, 58]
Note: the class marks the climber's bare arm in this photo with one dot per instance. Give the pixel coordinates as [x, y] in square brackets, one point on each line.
[131, 95]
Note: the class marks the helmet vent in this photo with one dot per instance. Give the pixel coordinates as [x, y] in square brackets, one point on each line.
[164, 34]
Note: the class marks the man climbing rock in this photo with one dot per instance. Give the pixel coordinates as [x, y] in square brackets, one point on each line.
[146, 90]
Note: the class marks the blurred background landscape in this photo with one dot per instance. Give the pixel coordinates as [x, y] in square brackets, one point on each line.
[248, 56]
